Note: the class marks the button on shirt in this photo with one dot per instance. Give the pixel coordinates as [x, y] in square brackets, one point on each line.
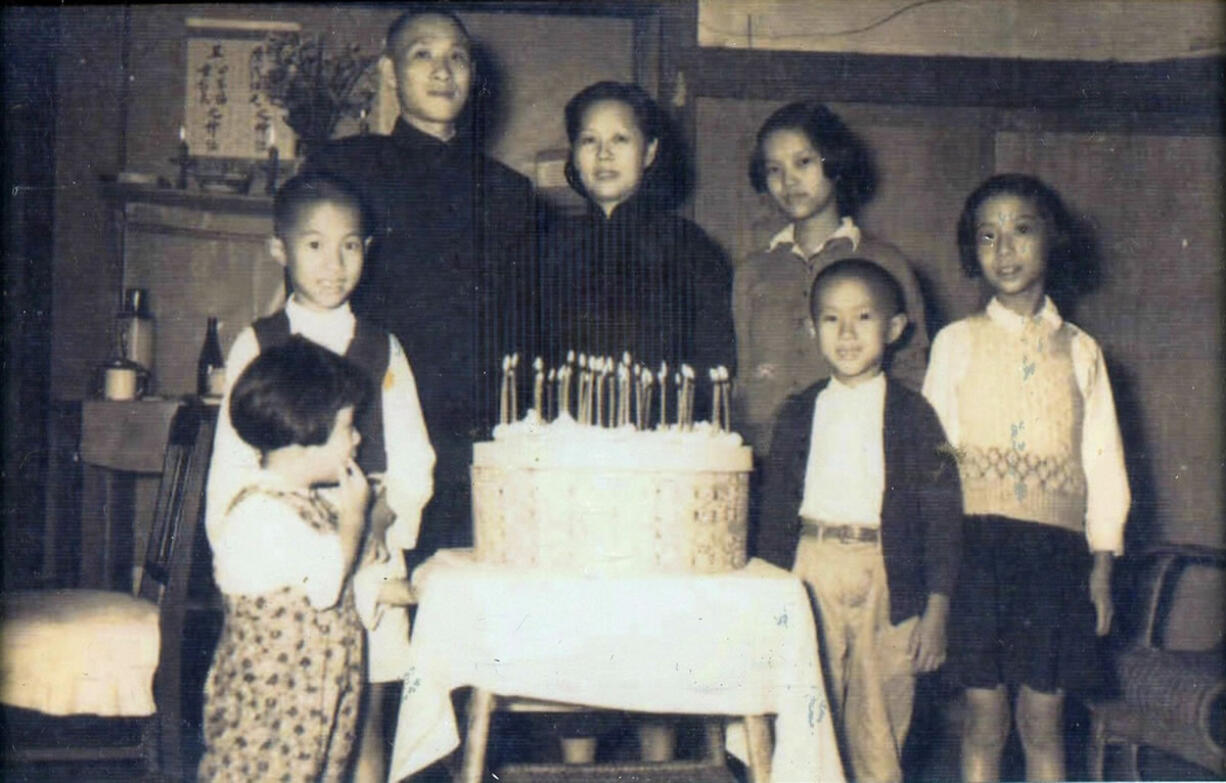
[845, 472]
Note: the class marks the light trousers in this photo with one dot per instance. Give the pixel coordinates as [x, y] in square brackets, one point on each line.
[870, 679]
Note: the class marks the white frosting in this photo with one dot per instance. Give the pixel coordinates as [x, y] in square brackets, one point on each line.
[563, 443]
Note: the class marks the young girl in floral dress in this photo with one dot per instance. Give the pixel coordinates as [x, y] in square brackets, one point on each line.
[281, 699]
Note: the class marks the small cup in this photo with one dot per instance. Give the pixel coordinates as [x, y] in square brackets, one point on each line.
[122, 380]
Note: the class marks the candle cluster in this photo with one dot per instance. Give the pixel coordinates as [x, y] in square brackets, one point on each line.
[600, 391]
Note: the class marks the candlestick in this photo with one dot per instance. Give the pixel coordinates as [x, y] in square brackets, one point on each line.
[185, 158]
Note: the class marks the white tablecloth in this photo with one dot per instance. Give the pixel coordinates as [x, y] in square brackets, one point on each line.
[735, 644]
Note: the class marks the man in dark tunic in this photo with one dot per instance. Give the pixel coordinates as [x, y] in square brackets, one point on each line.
[452, 226]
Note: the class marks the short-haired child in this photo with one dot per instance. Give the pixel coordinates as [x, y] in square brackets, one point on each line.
[860, 499]
[283, 693]
[1026, 401]
[321, 232]
[818, 174]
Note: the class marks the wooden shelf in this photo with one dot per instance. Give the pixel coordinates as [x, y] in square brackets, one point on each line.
[124, 193]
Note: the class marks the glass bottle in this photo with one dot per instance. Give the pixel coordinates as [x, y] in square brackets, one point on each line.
[211, 366]
[135, 329]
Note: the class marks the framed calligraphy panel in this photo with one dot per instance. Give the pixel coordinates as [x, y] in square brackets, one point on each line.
[227, 112]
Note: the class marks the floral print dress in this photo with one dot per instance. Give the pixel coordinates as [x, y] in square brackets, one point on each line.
[281, 699]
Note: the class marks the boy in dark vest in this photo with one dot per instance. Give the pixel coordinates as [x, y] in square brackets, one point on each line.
[321, 234]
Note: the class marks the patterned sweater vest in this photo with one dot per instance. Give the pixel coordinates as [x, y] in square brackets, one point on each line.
[1020, 417]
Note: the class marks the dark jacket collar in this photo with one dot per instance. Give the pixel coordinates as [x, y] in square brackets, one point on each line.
[411, 139]
[633, 212]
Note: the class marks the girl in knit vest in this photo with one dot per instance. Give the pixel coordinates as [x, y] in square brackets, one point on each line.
[1025, 400]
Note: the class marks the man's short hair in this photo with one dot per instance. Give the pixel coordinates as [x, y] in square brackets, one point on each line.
[397, 27]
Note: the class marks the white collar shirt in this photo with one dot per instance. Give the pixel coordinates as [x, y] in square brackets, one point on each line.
[333, 329]
[845, 471]
[847, 230]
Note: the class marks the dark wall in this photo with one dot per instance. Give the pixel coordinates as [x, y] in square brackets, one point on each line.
[29, 44]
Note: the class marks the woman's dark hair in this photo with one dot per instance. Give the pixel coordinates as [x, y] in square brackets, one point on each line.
[290, 394]
[845, 160]
[666, 181]
[1071, 259]
[308, 190]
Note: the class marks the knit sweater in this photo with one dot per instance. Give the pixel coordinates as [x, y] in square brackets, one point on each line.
[1020, 417]
[1027, 404]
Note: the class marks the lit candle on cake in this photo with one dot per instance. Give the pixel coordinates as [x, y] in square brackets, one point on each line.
[504, 397]
[550, 392]
[513, 384]
[598, 369]
[725, 379]
[687, 385]
[610, 378]
[681, 401]
[663, 376]
[716, 388]
[623, 395]
[538, 386]
[648, 382]
[584, 389]
[569, 370]
[638, 396]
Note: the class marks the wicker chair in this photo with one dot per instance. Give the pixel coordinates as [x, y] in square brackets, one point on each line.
[112, 654]
[1172, 693]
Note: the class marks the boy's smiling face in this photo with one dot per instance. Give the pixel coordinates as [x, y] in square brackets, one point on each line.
[324, 252]
[853, 329]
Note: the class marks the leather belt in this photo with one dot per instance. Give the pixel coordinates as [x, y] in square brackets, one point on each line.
[844, 534]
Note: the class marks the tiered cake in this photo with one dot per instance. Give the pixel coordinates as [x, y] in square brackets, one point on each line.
[566, 496]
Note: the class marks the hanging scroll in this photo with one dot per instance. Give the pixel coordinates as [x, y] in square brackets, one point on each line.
[227, 113]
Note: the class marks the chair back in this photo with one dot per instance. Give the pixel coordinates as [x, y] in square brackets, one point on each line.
[1179, 597]
[180, 501]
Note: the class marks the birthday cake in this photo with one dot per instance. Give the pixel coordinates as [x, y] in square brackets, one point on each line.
[577, 496]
